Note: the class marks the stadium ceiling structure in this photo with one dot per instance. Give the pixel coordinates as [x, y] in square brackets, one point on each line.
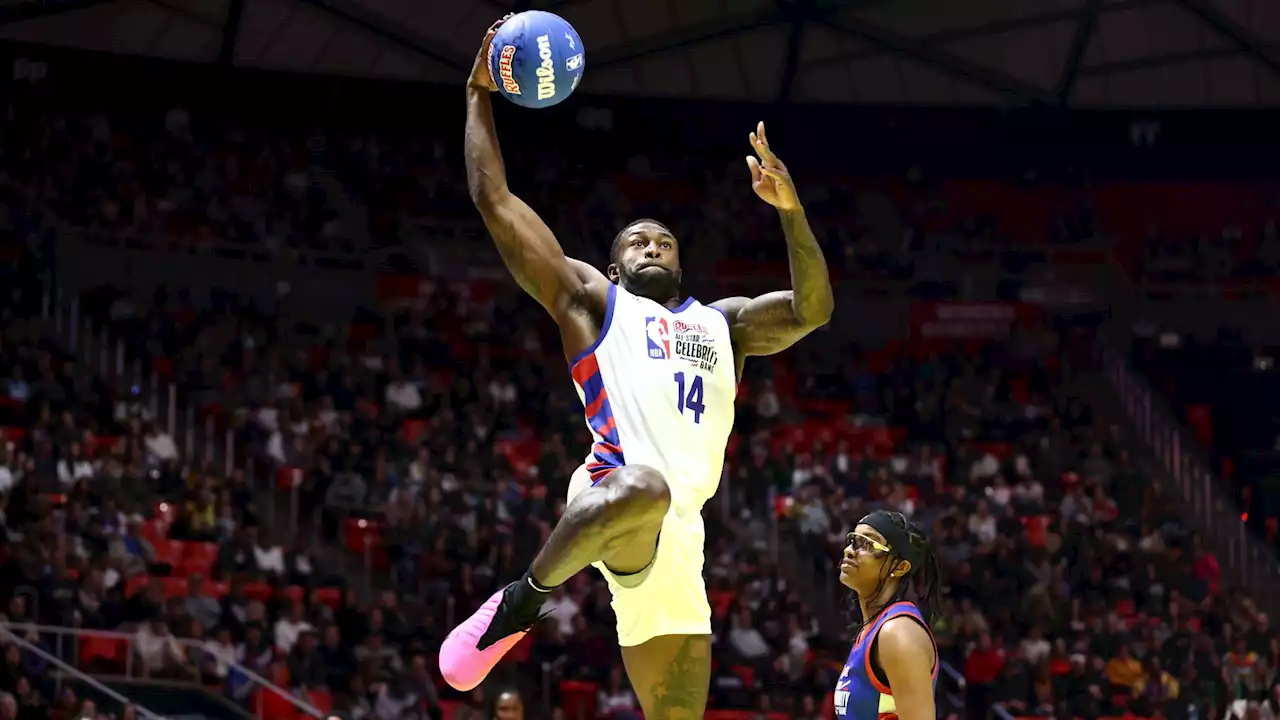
[1073, 53]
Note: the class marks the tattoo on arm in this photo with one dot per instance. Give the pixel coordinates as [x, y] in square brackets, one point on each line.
[775, 321]
[812, 300]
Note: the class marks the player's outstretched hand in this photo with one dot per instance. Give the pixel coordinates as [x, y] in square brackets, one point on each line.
[481, 77]
[769, 177]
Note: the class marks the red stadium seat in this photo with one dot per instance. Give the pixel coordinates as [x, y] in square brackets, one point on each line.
[175, 587]
[103, 652]
[358, 531]
[413, 431]
[287, 478]
[1200, 418]
[166, 511]
[103, 444]
[135, 584]
[321, 700]
[198, 558]
[578, 700]
[269, 704]
[999, 450]
[720, 601]
[745, 673]
[257, 591]
[163, 367]
[329, 596]
[168, 552]
[1037, 529]
[155, 530]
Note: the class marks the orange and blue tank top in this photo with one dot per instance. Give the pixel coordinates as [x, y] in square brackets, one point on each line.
[862, 692]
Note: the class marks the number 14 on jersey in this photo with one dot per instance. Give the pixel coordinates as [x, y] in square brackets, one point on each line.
[689, 396]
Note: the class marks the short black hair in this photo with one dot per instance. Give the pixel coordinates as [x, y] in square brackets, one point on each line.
[617, 239]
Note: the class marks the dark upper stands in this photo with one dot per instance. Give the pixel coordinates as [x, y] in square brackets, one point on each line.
[1214, 388]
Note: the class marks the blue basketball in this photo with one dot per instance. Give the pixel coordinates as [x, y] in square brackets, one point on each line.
[536, 59]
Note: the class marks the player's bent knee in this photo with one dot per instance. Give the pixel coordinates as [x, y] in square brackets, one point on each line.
[644, 491]
[639, 498]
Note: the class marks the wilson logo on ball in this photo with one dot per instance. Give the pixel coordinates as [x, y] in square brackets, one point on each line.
[546, 69]
[509, 83]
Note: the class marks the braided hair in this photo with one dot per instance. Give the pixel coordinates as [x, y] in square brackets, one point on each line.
[922, 583]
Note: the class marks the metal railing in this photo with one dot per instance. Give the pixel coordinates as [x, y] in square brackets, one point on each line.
[1247, 562]
[65, 671]
[73, 649]
[200, 441]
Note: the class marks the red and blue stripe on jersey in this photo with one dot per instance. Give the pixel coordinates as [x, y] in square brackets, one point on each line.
[608, 449]
[585, 370]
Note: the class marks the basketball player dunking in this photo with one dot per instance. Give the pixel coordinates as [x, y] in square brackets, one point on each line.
[657, 374]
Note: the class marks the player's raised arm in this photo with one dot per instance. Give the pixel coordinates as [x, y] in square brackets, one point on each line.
[775, 321]
[528, 247]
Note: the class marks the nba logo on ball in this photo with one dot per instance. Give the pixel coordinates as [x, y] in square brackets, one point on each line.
[536, 59]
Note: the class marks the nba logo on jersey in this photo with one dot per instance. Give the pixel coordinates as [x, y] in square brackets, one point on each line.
[659, 338]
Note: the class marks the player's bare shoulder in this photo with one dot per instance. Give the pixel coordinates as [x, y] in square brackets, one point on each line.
[582, 313]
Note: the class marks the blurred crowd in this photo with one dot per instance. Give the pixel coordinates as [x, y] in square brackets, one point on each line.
[446, 479]
[1031, 494]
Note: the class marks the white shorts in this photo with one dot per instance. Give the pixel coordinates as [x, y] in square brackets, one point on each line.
[672, 597]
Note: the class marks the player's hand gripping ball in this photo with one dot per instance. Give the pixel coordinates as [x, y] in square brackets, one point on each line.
[536, 59]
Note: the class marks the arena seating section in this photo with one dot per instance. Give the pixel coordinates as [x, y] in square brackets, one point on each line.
[1027, 491]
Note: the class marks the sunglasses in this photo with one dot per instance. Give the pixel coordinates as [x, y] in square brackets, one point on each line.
[862, 543]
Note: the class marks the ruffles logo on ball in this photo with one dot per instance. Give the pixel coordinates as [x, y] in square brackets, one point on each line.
[508, 77]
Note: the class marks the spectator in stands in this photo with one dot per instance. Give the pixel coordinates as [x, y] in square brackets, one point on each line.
[422, 686]
[338, 658]
[75, 467]
[199, 604]
[255, 651]
[239, 555]
[1124, 672]
[982, 668]
[267, 556]
[291, 627]
[158, 651]
[306, 664]
[161, 448]
[508, 705]
[219, 652]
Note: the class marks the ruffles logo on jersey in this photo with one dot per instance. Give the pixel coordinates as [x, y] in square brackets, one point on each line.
[687, 342]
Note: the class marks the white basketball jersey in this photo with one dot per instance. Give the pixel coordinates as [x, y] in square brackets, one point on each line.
[658, 388]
